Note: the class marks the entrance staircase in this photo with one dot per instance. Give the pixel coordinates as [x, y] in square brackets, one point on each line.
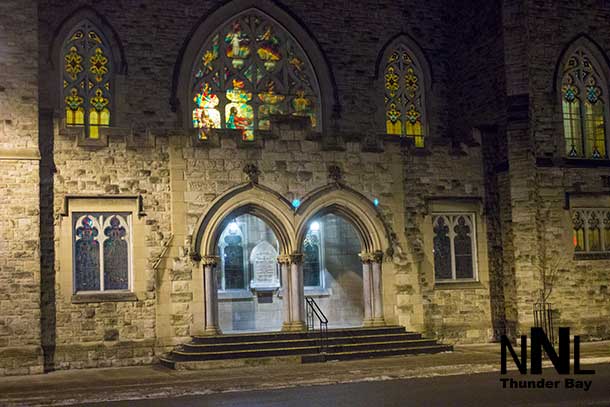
[304, 347]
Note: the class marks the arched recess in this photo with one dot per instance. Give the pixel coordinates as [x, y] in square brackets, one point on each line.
[349, 204]
[55, 57]
[207, 25]
[579, 47]
[254, 199]
[420, 60]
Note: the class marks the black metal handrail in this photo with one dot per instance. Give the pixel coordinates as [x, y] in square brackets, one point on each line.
[543, 318]
[314, 312]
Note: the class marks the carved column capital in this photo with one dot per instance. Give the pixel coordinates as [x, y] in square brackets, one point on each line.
[210, 260]
[283, 259]
[296, 258]
[367, 257]
[377, 256]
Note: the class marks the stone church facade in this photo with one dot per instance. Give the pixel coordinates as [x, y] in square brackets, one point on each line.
[426, 164]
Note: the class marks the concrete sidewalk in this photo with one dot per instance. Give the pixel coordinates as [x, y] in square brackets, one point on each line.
[142, 382]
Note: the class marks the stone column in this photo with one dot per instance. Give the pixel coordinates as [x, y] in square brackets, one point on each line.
[367, 293]
[284, 261]
[211, 295]
[297, 300]
[377, 289]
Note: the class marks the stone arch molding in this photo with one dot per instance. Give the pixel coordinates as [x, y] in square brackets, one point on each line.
[417, 53]
[250, 198]
[288, 224]
[349, 204]
[207, 25]
[581, 41]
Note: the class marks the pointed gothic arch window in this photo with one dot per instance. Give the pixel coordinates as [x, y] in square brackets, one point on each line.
[404, 89]
[584, 106]
[87, 73]
[248, 70]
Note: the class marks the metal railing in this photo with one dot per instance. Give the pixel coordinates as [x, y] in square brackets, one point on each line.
[312, 313]
[543, 318]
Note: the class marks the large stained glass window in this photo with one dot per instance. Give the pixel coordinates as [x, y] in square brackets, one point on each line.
[583, 104]
[591, 230]
[102, 245]
[404, 96]
[87, 71]
[248, 71]
[454, 247]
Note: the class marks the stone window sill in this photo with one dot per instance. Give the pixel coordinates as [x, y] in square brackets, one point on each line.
[458, 285]
[572, 162]
[591, 256]
[85, 298]
[235, 295]
[317, 292]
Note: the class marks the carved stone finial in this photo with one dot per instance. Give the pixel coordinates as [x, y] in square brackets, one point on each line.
[252, 171]
[334, 173]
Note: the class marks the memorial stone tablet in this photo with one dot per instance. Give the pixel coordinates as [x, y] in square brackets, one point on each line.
[264, 266]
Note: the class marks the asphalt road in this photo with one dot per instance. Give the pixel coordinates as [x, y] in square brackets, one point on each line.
[485, 389]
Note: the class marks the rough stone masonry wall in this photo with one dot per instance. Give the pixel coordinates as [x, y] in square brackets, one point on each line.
[517, 183]
[580, 294]
[292, 165]
[20, 351]
[112, 333]
[479, 94]
[453, 315]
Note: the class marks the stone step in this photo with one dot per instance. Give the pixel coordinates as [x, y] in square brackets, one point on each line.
[377, 353]
[265, 336]
[355, 347]
[204, 352]
[279, 343]
[178, 355]
[267, 351]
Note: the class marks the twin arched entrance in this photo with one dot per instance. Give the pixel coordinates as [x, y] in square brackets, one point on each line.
[261, 257]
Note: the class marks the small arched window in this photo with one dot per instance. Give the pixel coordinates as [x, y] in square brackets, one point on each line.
[404, 95]
[583, 101]
[248, 70]
[87, 79]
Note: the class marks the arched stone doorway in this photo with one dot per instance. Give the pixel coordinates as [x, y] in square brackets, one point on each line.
[227, 250]
[332, 269]
[248, 276]
[359, 220]
[242, 218]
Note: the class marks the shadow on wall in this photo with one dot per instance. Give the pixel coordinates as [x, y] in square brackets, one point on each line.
[47, 241]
